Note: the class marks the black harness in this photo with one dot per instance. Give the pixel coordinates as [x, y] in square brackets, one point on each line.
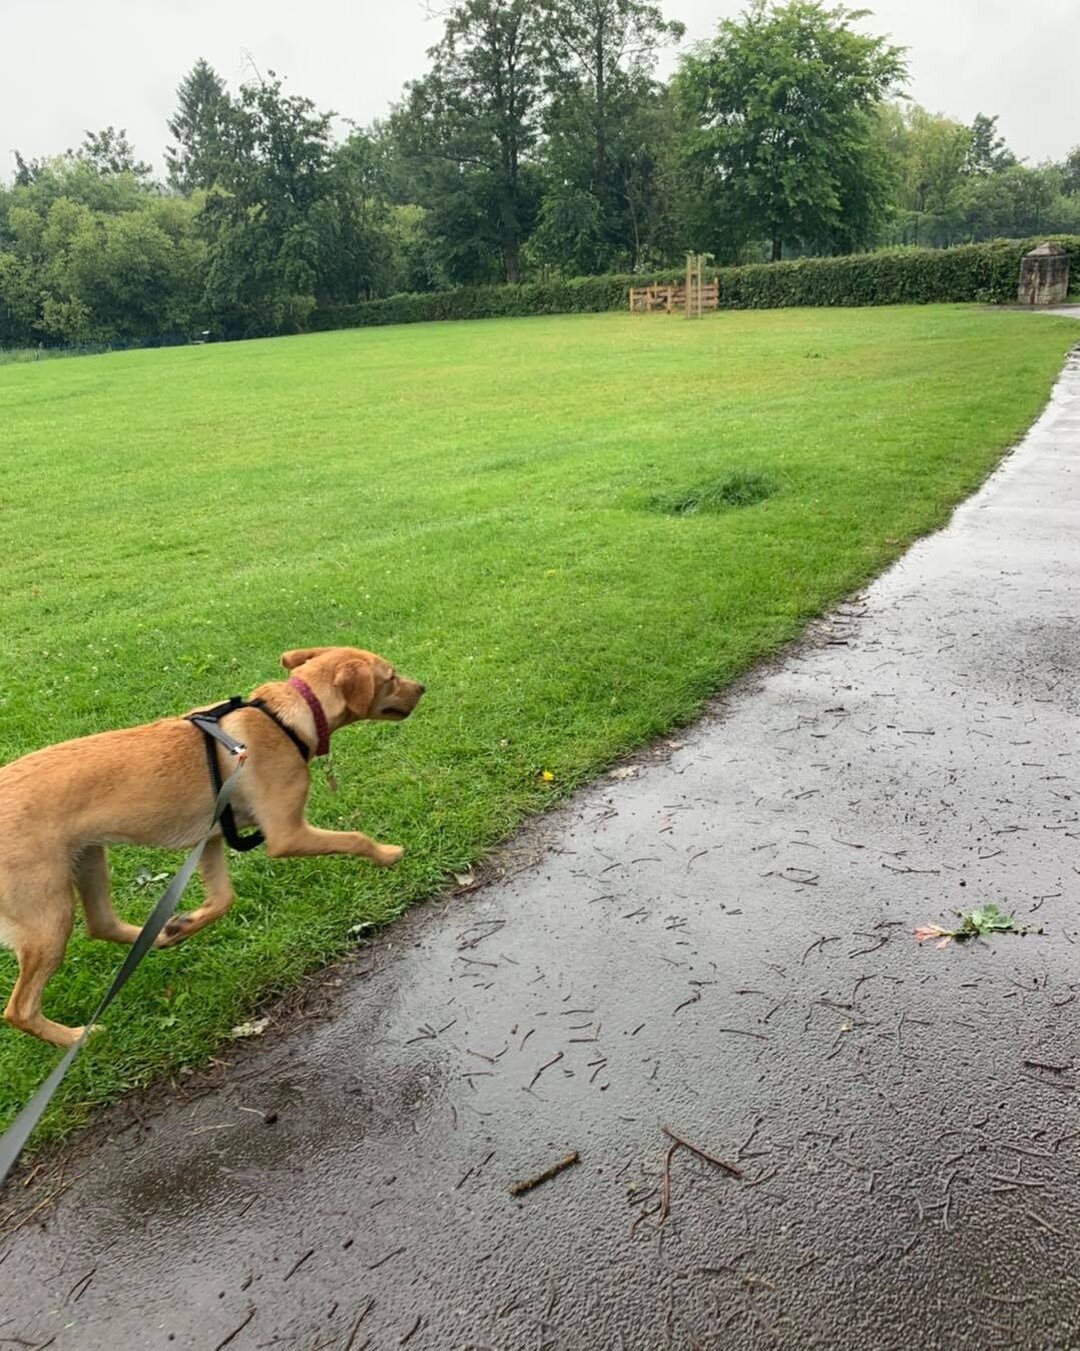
[208, 721]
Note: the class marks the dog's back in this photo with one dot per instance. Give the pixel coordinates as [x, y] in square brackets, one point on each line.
[67, 796]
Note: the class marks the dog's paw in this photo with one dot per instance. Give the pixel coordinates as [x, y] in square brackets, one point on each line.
[73, 1034]
[174, 932]
[388, 855]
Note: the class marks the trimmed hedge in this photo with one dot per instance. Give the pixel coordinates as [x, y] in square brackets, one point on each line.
[575, 295]
[967, 272]
[986, 273]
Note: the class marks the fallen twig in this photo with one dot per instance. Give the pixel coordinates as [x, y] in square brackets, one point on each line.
[7, 1232]
[298, 1264]
[374, 1266]
[82, 1285]
[861, 952]
[556, 1168]
[356, 1326]
[665, 1197]
[817, 943]
[702, 1154]
[412, 1331]
[664, 1209]
[236, 1331]
[553, 1061]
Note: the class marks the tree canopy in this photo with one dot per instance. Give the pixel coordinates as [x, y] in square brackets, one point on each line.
[779, 116]
[539, 140]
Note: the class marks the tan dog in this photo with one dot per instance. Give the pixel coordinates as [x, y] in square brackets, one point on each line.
[151, 785]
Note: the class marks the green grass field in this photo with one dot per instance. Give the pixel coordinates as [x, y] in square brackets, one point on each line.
[571, 529]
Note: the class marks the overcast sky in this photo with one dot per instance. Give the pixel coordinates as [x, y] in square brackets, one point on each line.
[68, 65]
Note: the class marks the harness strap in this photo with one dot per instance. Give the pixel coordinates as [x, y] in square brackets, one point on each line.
[297, 741]
[208, 721]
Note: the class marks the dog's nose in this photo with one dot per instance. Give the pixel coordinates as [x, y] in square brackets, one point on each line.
[420, 689]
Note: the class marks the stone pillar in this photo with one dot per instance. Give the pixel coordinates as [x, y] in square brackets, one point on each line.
[1044, 276]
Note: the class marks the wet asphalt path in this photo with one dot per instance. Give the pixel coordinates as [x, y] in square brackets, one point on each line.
[721, 943]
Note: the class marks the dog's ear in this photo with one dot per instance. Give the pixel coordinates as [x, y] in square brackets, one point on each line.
[299, 655]
[355, 681]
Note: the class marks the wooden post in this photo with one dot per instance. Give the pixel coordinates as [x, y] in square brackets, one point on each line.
[689, 276]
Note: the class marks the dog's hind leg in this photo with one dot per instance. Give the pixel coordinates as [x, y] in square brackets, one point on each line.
[39, 937]
[91, 874]
[214, 871]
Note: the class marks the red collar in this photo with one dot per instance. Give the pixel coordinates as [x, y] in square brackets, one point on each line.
[310, 698]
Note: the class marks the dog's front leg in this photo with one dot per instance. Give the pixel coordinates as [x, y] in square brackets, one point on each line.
[281, 820]
[304, 839]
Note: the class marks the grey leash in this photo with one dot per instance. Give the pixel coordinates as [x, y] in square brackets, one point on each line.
[15, 1137]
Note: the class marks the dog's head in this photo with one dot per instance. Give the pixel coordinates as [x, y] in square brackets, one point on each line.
[367, 684]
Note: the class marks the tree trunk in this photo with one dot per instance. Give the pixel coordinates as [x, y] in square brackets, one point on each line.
[600, 162]
[777, 250]
[628, 194]
[511, 260]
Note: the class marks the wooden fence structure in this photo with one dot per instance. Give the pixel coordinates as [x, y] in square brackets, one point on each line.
[692, 297]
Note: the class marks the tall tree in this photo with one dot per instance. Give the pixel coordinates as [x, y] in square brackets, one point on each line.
[937, 152]
[1070, 173]
[26, 170]
[110, 152]
[988, 152]
[1032, 195]
[601, 52]
[200, 127]
[961, 183]
[471, 124]
[780, 122]
[263, 241]
[599, 120]
[354, 255]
